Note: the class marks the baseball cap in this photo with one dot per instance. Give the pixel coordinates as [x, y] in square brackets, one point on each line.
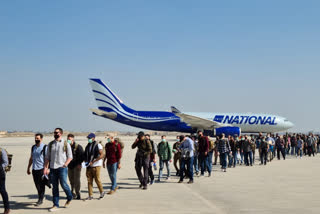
[91, 135]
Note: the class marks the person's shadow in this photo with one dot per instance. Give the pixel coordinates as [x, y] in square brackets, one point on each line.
[17, 205]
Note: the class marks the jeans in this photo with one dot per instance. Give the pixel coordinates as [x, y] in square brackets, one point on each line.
[3, 190]
[203, 163]
[112, 171]
[293, 150]
[210, 157]
[37, 179]
[247, 158]
[264, 156]
[241, 154]
[189, 163]
[299, 151]
[233, 159]
[162, 162]
[196, 161]
[224, 157]
[56, 176]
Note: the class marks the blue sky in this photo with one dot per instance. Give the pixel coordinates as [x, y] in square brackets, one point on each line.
[224, 56]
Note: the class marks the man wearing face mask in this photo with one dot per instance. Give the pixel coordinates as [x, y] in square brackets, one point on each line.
[113, 156]
[59, 156]
[38, 152]
[165, 156]
[177, 155]
[74, 168]
[94, 161]
[203, 150]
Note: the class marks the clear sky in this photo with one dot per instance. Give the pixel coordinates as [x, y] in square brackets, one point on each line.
[224, 56]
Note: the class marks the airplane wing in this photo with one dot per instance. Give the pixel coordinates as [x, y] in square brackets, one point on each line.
[197, 122]
[111, 115]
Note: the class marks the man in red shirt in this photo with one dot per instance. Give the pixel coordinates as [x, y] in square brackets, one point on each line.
[113, 156]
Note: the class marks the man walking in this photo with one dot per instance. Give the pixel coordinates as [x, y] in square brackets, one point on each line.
[263, 150]
[94, 159]
[59, 156]
[74, 168]
[280, 145]
[113, 156]
[203, 149]
[247, 150]
[152, 159]
[224, 149]
[165, 156]
[176, 156]
[4, 163]
[187, 157]
[142, 159]
[37, 157]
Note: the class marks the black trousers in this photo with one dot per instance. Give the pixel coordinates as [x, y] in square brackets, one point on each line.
[142, 162]
[264, 156]
[150, 172]
[283, 152]
[41, 187]
[310, 150]
[3, 191]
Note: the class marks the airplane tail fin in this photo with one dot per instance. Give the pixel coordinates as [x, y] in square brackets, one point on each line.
[175, 110]
[106, 99]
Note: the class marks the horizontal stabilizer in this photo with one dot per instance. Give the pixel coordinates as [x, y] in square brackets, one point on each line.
[111, 115]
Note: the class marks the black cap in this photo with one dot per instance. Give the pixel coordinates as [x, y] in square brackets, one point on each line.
[140, 134]
[181, 137]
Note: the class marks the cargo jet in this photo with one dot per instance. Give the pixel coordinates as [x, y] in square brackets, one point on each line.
[111, 107]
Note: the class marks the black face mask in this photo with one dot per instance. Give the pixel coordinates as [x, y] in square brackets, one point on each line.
[56, 136]
[37, 141]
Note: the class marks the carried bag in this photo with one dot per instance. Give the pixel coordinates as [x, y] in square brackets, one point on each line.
[238, 156]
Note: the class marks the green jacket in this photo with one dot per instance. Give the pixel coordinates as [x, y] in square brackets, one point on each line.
[164, 151]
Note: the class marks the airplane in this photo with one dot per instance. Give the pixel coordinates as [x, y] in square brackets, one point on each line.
[110, 106]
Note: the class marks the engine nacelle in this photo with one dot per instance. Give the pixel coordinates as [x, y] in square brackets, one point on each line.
[227, 131]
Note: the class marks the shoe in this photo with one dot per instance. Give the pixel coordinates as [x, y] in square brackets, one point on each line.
[67, 203]
[140, 186]
[151, 182]
[197, 173]
[168, 178]
[102, 195]
[89, 198]
[190, 182]
[111, 192]
[179, 182]
[145, 188]
[78, 197]
[209, 175]
[177, 174]
[225, 170]
[7, 211]
[38, 203]
[53, 209]
[117, 187]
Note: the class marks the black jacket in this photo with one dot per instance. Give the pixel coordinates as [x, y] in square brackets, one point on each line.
[78, 156]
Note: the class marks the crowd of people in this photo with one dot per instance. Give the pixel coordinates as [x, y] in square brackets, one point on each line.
[59, 160]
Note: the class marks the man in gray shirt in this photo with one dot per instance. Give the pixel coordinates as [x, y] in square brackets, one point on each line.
[3, 164]
[59, 156]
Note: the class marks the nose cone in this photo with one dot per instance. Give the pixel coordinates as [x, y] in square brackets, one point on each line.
[289, 125]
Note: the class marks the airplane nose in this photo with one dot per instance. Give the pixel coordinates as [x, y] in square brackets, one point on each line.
[290, 125]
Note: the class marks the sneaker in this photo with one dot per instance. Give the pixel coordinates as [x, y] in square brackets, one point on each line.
[209, 175]
[145, 187]
[168, 178]
[110, 192]
[179, 182]
[7, 211]
[40, 202]
[225, 170]
[67, 203]
[53, 209]
[117, 187]
[102, 195]
[140, 186]
[151, 182]
[190, 182]
[78, 197]
[89, 198]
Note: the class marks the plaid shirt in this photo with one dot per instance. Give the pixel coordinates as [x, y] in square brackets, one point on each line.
[224, 146]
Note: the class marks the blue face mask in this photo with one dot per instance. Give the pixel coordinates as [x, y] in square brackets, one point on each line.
[90, 141]
[164, 140]
[109, 140]
[69, 141]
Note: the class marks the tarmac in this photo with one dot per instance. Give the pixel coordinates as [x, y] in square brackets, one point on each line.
[290, 186]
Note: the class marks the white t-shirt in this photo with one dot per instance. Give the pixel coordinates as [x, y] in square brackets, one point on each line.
[98, 163]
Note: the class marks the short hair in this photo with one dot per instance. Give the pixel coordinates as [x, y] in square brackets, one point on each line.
[70, 135]
[147, 135]
[39, 134]
[60, 129]
[163, 136]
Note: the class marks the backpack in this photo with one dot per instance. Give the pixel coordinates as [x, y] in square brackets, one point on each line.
[119, 142]
[211, 145]
[7, 168]
[64, 146]
[42, 152]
